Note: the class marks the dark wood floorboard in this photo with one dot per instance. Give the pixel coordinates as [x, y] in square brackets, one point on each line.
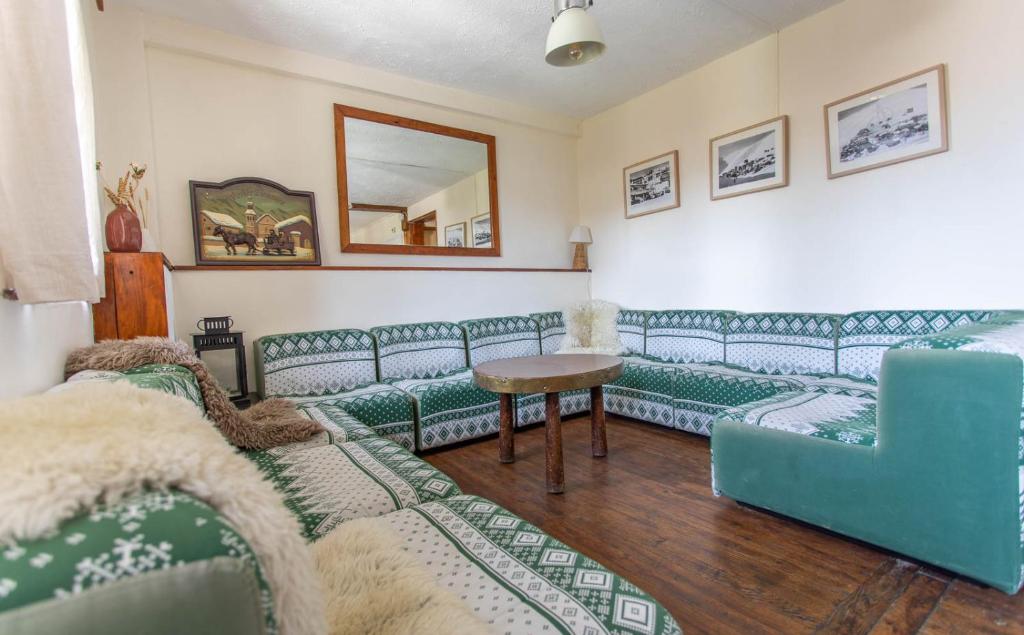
[646, 511]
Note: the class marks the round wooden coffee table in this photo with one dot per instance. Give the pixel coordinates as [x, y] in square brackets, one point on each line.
[550, 374]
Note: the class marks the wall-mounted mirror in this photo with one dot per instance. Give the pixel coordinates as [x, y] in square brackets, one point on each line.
[412, 187]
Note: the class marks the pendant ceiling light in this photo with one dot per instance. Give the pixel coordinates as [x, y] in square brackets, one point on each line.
[574, 38]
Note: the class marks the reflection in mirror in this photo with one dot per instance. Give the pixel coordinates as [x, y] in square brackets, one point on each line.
[414, 187]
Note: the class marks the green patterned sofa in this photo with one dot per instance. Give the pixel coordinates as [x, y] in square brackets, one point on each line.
[337, 367]
[166, 563]
[926, 462]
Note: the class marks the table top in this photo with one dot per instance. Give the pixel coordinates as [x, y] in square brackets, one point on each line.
[547, 373]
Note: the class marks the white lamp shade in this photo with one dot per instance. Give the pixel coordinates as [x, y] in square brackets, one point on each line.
[574, 38]
[580, 234]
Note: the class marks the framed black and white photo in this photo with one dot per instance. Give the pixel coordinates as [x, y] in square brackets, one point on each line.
[902, 120]
[480, 228]
[753, 159]
[455, 235]
[652, 185]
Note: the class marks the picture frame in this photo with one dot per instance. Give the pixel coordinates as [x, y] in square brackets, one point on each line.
[251, 221]
[897, 121]
[480, 230]
[751, 159]
[651, 186]
[455, 235]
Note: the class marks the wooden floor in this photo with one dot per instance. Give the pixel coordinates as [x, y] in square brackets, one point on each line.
[647, 512]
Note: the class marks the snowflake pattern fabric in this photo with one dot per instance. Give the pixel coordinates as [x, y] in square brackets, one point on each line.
[315, 362]
[168, 378]
[451, 408]
[420, 351]
[632, 327]
[501, 338]
[782, 343]
[552, 330]
[686, 336]
[829, 416]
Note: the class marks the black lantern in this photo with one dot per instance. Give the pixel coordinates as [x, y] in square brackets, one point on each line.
[216, 336]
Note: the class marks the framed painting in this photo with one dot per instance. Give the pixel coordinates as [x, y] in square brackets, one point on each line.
[902, 120]
[480, 227]
[455, 235]
[753, 159]
[652, 185]
[251, 221]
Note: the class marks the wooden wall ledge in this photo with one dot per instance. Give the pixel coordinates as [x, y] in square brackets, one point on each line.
[366, 268]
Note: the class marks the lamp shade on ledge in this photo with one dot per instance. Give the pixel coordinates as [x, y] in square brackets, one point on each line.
[580, 235]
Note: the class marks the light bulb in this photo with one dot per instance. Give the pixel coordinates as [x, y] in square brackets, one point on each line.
[576, 52]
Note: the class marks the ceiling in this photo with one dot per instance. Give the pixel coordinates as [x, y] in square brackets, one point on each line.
[496, 47]
[389, 165]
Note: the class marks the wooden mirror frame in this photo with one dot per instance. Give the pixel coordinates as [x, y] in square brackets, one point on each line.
[340, 113]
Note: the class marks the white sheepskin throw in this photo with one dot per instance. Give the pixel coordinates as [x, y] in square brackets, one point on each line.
[64, 452]
[374, 587]
[590, 328]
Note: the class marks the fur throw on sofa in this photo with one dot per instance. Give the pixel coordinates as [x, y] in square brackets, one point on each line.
[266, 424]
[64, 452]
[590, 328]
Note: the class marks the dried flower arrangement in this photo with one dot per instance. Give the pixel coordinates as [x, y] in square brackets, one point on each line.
[127, 192]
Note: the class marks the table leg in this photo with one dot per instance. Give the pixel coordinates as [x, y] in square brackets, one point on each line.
[553, 444]
[506, 440]
[598, 439]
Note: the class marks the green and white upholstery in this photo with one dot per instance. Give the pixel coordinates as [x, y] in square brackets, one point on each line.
[329, 484]
[632, 327]
[531, 409]
[821, 415]
[314, 363]
[420, 351]
[451, 408]
[171, 379]
[501, 338]
[170, 537]
[520, 580]
[782, 343]
[552, 330]
[387, 410]
[840, 385]
[686, 336]
[644, 391]
[866, 335]
[702, 391]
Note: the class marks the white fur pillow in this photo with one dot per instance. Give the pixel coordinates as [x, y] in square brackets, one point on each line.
[590, 328]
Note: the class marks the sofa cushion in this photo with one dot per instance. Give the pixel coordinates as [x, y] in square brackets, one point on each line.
[866, 335]
[552, 329]
[315, 362]
[686, 336]
[782, 343]
[632, 327]
[383, 408]
[702, 391]
[142, 534]
[829, 416]
[451, 409]
[531, 408]
[501, 338]
[518, 579]
[329, 484]
[840, 385]
[419, 351]
[172, 379]
[644, 391]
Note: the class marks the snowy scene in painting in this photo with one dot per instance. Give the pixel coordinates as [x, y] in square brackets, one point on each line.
[747, 160]
[885, 124]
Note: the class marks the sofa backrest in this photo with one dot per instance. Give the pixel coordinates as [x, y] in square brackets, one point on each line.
[864, 336]
[501, 337]
[551, 325]
[314, 362]
[782, 343]
[420, 351]
[632, 327]
[686, 336]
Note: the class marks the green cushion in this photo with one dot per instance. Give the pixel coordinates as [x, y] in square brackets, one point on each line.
[686, 336]
[329, 484]
[552, 329]
[501, 338]
[174, 380]
[519, 579]
[644, 391]
[144, 533]
[822, 415]
[702, 391]
[419, 351]
[531, 408]
[315, 362]
[782, 343]
[451, 408]
[632, 326]
[385, 409]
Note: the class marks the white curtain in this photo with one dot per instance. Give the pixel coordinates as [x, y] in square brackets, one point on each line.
[50, 247]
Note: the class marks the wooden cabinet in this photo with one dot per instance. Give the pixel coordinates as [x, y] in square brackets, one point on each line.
[136, 299]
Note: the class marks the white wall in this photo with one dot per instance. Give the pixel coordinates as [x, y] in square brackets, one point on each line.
[942, 231]
[35, 340]
[217, 106]
[458, 203]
